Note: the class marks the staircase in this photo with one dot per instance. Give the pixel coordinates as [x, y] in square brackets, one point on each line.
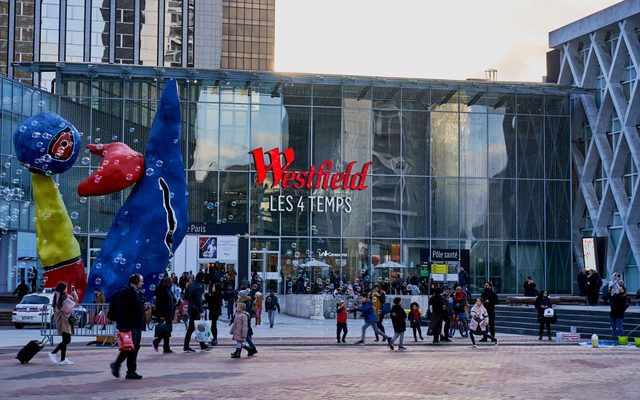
[7, 301]
[522, 320]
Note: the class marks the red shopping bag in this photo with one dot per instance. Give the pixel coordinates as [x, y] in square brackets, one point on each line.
[125, 341]
[100, 319]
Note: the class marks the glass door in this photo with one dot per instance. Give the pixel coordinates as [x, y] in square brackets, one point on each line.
[266, 264]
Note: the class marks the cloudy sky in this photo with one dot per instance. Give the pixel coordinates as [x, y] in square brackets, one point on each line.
[439, 39]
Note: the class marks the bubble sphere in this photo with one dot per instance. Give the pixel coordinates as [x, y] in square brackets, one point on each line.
[74, 215]
[98, 281]
[77, 229]
[138, 265]
[60, 142]
[149, 171]
[159, 163]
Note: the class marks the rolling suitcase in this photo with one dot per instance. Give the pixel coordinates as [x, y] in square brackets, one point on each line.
[31, 349]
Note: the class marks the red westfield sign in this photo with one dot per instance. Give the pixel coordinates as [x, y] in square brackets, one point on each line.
[312, 179]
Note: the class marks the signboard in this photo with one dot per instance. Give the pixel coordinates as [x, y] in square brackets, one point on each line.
[437, 277]
[452, 277]
[223, 248]
[589, 249]
[445, 255]
[318, 177]
[440, 268]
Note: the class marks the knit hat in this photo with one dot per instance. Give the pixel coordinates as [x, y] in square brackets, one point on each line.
[243, 293]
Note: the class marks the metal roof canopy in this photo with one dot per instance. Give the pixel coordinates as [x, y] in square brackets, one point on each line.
[256, 77]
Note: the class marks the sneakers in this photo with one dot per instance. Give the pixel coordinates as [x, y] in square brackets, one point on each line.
[189, 350]
[390, 343]
[473, 346]
[115, 370]
[495, 341]
[66, 362]
[359, 342]
[133, 375]
[205, 349]
[401, 348]
[53, 358]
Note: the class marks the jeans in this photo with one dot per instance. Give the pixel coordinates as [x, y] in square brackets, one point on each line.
[616, 327]
[272, 316]
[396, 336]
[131, 356]
[374, 325]
[229, 309]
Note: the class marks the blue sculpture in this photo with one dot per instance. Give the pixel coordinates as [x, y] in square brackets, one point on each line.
[152, 223]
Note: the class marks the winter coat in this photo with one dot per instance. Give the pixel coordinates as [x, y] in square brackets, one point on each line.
[540, 302]
[368, 312]
[479, 316]
[489, 300]
[240, 327]
[193, 294]
[398, 318]
[414, 316]
[128, 307]
[618, 304]
[272, 303]
[214, 301]
[341, 315]
[60, 317]
[165, 303]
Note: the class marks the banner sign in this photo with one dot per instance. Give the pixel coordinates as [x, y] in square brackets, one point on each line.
[314, 178]
[445, 255]
[224, 248]
[589, 249]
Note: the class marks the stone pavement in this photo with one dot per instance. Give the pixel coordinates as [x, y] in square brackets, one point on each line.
[335, 371]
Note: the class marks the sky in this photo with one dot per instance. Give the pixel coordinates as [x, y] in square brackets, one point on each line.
[436, 39]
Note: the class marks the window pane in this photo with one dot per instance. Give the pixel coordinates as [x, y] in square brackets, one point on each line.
[234, 136]
[386, 142]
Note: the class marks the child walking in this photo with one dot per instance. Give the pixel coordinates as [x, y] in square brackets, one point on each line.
[341, 321]
[240, 329]
[399, 321]
[414, 320]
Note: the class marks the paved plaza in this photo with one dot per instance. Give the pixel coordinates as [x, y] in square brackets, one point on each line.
[298, 359]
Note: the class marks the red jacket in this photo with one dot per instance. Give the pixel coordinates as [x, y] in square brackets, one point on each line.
[341, 315]
[414, 315]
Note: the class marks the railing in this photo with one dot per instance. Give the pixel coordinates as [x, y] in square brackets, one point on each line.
[91, 321]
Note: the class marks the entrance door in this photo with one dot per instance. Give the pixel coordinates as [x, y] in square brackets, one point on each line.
[267, 265]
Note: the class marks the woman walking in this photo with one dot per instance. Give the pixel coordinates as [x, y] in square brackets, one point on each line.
[543, 303]
[214, 302]
[165, 309]
[63, 307]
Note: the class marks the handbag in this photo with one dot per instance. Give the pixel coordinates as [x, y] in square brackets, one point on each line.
[163, 330]
[549, 313]
[125, 341]
[100, 319]
[72, 319]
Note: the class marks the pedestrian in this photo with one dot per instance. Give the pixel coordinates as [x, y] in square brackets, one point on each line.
[582, 282]
[127, 310]
[182, 282]
[448, 313]
[593, 287]
[63, 308]
[463, 279]
[271, 305]
[257, 302]
[341, 321]
[490, 300]
[543, 302]
[165, 308]
[22, 289]
[33, 278]
[370, 320]
[619, 304]
[240, 329]
[194, 294]
[399, 321]
[378, 299]
[414, 320]
[529, 287]
[245, 298]
[214, 302]
[479, 322]
[438, 313]
[460, 305]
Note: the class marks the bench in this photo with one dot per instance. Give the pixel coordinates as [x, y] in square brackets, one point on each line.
[554, 300]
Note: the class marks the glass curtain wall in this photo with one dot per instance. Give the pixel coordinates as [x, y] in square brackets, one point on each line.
[452, 167]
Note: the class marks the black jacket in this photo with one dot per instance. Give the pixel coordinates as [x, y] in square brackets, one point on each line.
[541, 301]
[272, 303]
[193, 294]
[214, 300]
[398, 318]
[492, 298]
[438, 305]
[165, 303]
[128, 309]
[618, 304]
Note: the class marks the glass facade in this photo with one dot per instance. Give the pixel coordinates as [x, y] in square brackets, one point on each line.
[482, 167]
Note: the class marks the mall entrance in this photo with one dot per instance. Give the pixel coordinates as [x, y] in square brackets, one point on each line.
[267, 264]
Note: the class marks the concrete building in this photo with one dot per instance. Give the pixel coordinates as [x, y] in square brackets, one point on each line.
[602, 52]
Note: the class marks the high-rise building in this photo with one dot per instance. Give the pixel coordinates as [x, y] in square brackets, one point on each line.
[602, 52]
[211, 34]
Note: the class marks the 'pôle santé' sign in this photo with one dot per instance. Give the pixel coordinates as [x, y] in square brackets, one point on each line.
[314, 178]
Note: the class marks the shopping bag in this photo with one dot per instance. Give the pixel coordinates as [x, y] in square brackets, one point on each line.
[125, 341]
[100, 319]
[163, 330]
[203, 330]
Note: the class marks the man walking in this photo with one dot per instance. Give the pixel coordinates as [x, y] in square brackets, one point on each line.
[271, 304]
[194, 295]
[489, 300]
[127, 310]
